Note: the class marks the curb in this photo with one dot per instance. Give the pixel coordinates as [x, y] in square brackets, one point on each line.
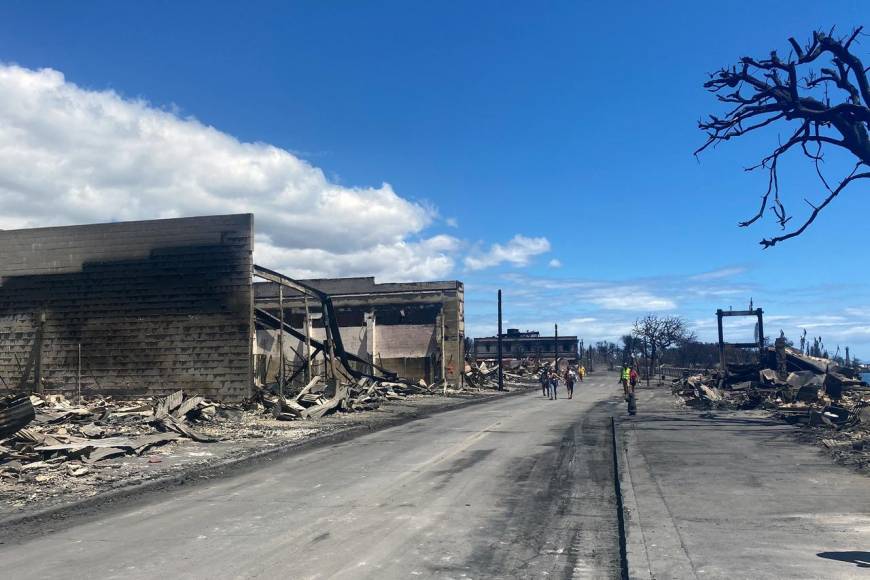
[59, 513]
[620, 504]
[636, 559]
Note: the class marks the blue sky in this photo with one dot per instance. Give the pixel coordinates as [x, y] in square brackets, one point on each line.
[544, 148]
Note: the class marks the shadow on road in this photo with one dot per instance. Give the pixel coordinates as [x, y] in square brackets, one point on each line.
[860, 559]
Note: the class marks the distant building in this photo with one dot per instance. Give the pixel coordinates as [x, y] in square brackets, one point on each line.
[518, 345]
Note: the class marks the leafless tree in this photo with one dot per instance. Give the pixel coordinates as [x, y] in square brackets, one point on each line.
[659, 333]
[831, 109]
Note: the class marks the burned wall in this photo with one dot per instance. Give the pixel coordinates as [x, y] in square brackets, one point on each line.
[398, 325]
[154, 305]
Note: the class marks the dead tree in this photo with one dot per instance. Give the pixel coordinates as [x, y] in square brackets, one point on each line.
[660, 333]
[830, 109]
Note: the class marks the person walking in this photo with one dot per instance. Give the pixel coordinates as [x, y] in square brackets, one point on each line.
[632, 398]
[570, 377]
[624, 378]
[554, 384]
[581, 372]
[545, 382]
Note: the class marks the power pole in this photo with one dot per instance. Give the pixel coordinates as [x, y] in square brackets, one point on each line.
[500, 369]
[556, 348]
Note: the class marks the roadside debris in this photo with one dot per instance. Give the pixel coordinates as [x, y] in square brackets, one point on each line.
[319, 398]
[63, 448]
[16, 411]
[66, 438]
[481, 377]
[813, 392]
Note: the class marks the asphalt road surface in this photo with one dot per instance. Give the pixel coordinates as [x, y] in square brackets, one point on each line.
[517, 488]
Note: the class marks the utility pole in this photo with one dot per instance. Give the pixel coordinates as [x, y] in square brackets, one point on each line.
[500, 368]
[556, 348]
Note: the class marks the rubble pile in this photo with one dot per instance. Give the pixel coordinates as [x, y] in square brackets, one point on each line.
[50, 446]
[319, 398]
[56, 436]
[832, 403]
[43, 432]
[482, 377]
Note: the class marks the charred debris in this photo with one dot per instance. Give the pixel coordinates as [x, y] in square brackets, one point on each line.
[831, 401]
[53, 438]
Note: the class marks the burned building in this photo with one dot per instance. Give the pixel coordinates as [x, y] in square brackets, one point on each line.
[528, 344]
[146, 308]
[415, 329]
[128, 309]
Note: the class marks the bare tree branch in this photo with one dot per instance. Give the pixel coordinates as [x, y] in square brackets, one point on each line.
[817, 208]
[772, 91]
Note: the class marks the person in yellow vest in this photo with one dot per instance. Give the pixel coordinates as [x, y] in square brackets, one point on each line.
[581, 372]
[624, 378]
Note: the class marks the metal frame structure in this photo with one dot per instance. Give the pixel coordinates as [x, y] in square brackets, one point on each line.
[332, 347]
[720, 314]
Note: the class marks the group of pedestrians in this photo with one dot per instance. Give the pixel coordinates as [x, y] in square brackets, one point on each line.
[550, 379]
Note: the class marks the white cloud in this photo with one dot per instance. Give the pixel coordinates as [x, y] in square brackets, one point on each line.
[603, 309]
[627, 298]
[427, 259]
[452, 222]
[599, 329]
[851, 328]
[717, 291]
[632, 295]
[719, 274]
[70, 155]
[518, 251]
[555, 263]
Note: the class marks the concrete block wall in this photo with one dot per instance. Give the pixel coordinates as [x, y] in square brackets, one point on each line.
[155, 305]
[405, 341]
[454, 334]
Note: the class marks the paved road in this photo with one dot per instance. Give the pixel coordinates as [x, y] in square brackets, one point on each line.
[517, 488]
